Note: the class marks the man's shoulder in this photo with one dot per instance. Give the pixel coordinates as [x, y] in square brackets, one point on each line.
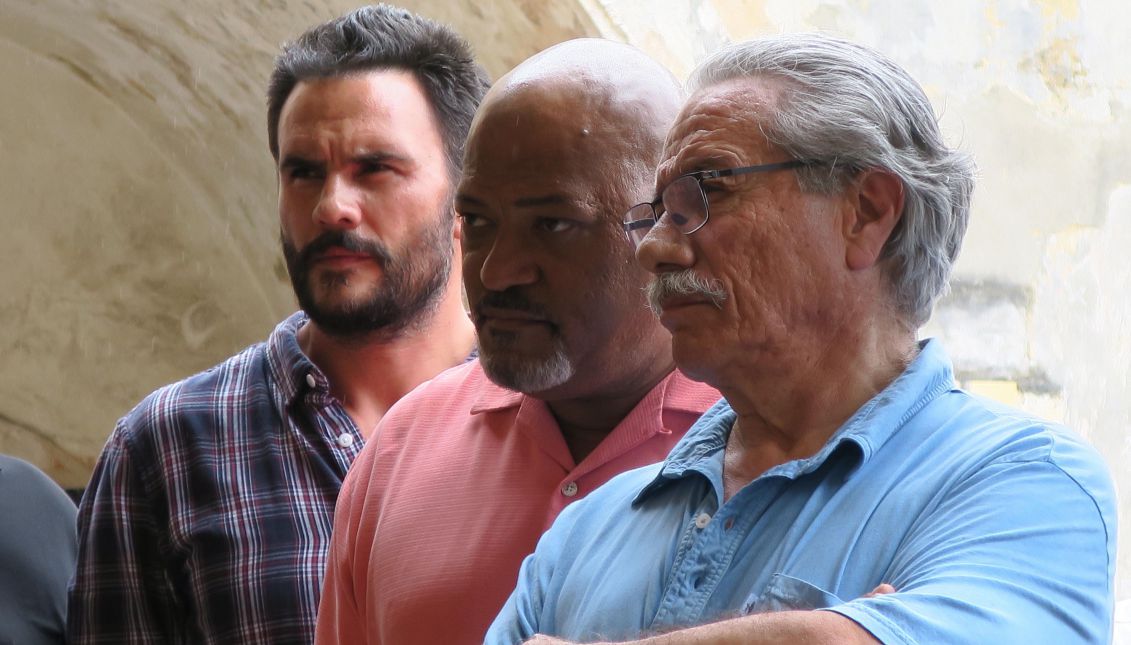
[1005, 433]
[236, 382]
[445, 398]
[984, 433]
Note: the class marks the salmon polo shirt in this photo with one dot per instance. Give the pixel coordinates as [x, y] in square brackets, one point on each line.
[457, 484]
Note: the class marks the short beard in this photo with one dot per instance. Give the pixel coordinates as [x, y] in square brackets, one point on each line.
[411, 283]
[526, 374]
[682, 283]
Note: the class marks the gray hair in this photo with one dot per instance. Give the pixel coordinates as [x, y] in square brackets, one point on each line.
[851, 108]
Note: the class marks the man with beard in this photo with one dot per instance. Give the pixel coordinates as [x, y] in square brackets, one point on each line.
[575, 381]
[209, 512]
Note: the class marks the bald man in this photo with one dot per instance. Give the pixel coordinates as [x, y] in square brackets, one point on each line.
[575, 381]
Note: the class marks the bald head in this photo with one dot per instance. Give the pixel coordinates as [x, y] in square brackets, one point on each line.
[602, 66]
[560, 148]
[611, 99]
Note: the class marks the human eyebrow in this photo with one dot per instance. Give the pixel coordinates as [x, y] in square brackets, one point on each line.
[543, 200]
[467, 200]
[291, 163]
[377, 158]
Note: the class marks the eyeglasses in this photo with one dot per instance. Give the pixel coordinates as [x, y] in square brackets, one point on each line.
[684, 201]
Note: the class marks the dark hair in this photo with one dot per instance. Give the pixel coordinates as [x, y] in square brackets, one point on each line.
[378, 37]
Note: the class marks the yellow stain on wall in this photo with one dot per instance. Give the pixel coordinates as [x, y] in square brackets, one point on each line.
[744, 18]
[1062, 9]
[992, 19]
[1005, 392]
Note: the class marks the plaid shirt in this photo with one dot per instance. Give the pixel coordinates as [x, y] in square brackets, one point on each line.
[208, 516]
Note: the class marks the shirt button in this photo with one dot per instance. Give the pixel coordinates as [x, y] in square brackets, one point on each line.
[702, 520]
[570, 489]
[310, 379]
[345, 440]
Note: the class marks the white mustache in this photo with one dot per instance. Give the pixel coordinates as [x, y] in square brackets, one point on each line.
[683, 283]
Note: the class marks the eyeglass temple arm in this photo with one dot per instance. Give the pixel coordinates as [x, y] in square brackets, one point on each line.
[770, 167]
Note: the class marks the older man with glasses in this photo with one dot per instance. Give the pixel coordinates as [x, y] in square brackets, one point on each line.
[846, 490]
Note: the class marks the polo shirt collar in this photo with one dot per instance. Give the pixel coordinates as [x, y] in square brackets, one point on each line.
[493, 398]
[675, 392]
[701, 449]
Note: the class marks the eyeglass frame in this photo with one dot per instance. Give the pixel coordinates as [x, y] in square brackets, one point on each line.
[700, 176]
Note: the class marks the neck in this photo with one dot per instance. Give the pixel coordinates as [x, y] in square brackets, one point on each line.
[369, 375]
[789, 404]
[585, 421]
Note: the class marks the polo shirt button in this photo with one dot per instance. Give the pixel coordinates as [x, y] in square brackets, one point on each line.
[702, 520]
[310, 379]
[570, 489]
[345, 440]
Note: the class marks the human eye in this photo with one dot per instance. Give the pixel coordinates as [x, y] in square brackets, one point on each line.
[714, 185]
[371, 166]
[473, 221]
[554, 224]
[302, 172]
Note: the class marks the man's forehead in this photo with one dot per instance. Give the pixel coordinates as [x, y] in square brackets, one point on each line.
[718, 123]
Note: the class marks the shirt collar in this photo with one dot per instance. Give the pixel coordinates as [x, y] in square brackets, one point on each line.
[701, 449]
[291, 369]
[676, 392]
[493, 398]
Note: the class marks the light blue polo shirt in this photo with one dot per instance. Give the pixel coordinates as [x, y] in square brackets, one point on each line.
[993, 526]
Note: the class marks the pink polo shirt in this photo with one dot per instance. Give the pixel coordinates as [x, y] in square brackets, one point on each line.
[454, 489]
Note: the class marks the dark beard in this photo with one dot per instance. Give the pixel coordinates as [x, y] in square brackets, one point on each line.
[410, 287]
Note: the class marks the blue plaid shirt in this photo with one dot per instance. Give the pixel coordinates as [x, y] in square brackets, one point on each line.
[208, 516]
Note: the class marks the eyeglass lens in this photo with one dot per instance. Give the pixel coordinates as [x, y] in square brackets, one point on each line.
[683, 203]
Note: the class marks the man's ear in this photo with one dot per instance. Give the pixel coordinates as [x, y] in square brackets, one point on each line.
[875, 206]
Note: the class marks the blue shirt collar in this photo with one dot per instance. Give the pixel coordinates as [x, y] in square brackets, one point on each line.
[701, 449]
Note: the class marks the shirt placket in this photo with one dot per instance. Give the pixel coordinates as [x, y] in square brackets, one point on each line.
[334, 426]
[715, 537]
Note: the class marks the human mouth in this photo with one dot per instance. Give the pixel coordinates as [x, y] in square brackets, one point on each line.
[340, 257]
[676, 290]
[506, 319]
[682, 302]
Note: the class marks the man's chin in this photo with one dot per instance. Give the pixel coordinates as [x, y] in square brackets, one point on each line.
[524, 373]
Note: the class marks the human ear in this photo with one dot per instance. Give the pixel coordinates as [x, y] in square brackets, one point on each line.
[875, 207]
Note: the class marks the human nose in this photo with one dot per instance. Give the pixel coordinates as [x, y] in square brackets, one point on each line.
[339, 205]
[664, 248]
[508, 263]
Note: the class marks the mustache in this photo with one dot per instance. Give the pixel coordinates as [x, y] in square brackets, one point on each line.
[347, 240]
[510, 299]
[683, 283]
